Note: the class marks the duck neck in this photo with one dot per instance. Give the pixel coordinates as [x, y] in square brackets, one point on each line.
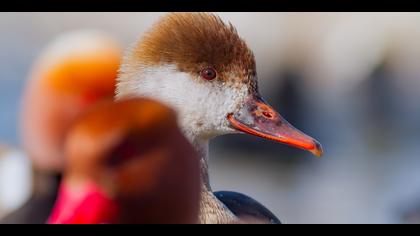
[212, 211]
[202, 146]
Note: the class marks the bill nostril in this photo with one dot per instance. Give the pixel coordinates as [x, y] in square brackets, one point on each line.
[267, 114]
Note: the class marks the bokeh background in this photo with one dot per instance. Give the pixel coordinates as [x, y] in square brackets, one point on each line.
[351, 80]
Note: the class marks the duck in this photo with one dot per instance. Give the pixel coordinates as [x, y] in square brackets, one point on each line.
[76, 70]
[199, 65]
[127, 162]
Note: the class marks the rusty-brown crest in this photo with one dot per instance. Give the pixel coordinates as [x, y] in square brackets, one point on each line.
[192, 41]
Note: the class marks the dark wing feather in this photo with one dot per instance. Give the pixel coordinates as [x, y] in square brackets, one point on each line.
[244, 206]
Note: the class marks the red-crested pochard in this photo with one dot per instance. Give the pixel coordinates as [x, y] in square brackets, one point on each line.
[199, 66]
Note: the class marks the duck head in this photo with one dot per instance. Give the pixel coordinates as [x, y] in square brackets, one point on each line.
[201, 67]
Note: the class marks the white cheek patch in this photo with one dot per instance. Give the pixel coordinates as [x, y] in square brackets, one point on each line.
[202, 106]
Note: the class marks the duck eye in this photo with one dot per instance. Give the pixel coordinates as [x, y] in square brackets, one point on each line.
[208, 73]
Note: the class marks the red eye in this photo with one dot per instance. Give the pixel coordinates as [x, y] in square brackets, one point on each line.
[208, 73]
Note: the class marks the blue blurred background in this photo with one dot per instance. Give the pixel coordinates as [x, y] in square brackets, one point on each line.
[351, 80]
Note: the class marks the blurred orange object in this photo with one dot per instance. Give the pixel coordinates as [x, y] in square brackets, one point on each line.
[75, 71]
